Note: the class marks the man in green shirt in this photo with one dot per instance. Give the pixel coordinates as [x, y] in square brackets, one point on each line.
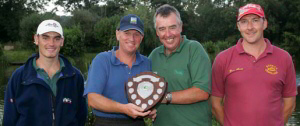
[186, 67]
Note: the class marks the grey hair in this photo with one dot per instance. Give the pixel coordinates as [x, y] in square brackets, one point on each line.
[165, 11]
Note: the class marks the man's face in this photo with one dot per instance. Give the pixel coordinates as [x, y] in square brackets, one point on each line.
[129, 40]
[49, 44]
[252, 28]
[168, 30]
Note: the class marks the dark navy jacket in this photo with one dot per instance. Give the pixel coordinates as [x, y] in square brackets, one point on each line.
[29, 100]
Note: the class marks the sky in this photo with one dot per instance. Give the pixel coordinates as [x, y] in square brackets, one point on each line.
[60, 10]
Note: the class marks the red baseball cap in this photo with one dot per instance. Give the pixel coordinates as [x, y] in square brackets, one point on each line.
[250, 9]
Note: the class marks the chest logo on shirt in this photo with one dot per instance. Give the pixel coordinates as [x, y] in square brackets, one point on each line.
[237, 69]
[178, 72]
[271, 69]
[67, 101]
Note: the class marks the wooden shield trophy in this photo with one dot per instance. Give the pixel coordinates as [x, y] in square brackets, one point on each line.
[146, 89]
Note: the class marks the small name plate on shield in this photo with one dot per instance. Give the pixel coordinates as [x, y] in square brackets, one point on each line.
[146, 89]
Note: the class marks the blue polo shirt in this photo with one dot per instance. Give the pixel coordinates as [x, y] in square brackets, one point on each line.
[107, 76]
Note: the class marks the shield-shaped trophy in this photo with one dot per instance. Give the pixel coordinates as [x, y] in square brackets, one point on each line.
[146, 89]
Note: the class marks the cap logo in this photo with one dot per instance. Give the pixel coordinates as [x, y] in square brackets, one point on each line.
[133, 20]
[241, 11]
[52, 25]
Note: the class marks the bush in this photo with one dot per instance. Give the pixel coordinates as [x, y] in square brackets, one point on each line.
[73, 43]
[291, 44]
[1, 51]
[214, 48]
[105, 32]
[86, 20]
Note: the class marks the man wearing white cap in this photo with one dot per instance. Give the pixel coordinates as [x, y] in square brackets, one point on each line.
[255, 79]
[47, 90]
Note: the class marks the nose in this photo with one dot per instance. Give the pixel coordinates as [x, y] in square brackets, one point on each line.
[250, 25]
[168, 33]
[51, 41]
[131, 37]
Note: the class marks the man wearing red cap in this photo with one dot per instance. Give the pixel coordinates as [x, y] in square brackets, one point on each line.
[255, 79]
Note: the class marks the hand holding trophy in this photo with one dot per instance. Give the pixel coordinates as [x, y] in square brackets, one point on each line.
[146, 89]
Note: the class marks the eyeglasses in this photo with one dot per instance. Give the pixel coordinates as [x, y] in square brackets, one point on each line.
[254, 21]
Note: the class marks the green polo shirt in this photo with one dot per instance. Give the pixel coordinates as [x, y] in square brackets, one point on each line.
[188, 66]
[50, 81]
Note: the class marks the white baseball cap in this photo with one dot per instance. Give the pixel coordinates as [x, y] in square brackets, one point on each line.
[49, 26]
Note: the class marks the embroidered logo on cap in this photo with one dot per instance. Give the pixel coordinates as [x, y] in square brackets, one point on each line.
[248, 7]
[133, 20]
[52, 25]
[271, 69]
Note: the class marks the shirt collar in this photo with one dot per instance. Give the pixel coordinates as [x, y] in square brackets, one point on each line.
[240, 49]
[116, 61]
[61, 62]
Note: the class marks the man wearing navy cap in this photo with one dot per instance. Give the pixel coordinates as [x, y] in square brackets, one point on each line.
[256, 79]
[110, 71]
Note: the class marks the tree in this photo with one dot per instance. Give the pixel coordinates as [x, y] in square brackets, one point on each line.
[86, 20]
[73, 42]
[105, 32]
[12, 11]
[28, 27]
[150, 40]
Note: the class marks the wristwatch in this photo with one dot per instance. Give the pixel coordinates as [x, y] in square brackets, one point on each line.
[169, 97]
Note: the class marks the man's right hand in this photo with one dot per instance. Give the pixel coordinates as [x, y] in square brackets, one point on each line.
[134, 111]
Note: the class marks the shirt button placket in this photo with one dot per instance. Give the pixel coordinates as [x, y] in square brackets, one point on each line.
[128, 69]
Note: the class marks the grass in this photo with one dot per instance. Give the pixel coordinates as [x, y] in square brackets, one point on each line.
[17, 56]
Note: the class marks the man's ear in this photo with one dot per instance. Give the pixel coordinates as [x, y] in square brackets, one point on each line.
[62, 43]
[118, 35]
[265, 24]
[237, 25]
[36, 39]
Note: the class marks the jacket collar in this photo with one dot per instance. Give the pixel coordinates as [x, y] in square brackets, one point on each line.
[30, 73]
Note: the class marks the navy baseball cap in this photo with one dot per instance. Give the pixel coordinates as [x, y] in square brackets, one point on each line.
[130, 22]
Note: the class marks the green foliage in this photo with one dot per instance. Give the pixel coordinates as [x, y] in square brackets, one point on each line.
[73, 43]
[91, 118]
[17, 56]
[12, 11]
[105, 32]
[214, 121]
[211, 49]
[150, 40]
[28, 27]
[291, 44]
[214, 48]
[86, 20]
[1, 51]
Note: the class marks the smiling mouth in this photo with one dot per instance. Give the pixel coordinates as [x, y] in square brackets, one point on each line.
[170, 39]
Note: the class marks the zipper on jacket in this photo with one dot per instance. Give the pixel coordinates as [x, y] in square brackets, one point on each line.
[53, 109]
